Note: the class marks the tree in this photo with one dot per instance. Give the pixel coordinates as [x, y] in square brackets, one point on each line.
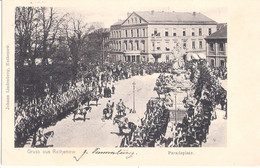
[76, 33]
[36, 37]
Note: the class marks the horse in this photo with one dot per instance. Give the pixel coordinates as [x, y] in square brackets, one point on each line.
[106, 114]
[121, 110]
[82, 111]
[41, 141]
[92, 97]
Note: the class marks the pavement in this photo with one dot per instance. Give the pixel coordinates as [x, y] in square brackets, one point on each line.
[95, 132]
[217, 136]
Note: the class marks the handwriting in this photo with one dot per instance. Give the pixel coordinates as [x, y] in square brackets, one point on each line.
[85, 152]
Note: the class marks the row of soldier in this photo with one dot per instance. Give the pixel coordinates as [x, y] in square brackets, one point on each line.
[43, 111]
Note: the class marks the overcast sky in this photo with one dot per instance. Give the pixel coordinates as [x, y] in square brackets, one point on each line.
[110, 11]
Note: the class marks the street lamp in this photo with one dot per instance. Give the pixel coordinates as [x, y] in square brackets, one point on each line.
[134, 97]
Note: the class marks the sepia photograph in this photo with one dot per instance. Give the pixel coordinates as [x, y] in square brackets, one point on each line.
[150, 79]
[130, 83]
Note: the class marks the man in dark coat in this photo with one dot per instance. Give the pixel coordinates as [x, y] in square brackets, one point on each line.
[113, 89]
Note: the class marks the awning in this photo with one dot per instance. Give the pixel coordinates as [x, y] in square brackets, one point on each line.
[202, 55]
[195, 56]
[192, 56]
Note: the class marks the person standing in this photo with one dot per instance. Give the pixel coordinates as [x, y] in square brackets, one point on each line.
[113, 89]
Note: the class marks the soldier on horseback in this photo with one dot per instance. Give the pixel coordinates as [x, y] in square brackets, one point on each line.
[121, 108]
[40, 135]
[109, 106]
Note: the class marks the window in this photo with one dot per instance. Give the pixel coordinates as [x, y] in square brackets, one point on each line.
[200, 45]
[138, 58]
[119, 45]
[143, 32]
[184, 45]
[167, 46]
[126, 33]
[221, 47]
[193, 32]
[133, 58]
[132, 20]
[209, 31]
[153, 46]
[135, 20]
[200, 32]
[158, 46]
[174, 32]
[131, 45]
[193, 45]
[143, 46]
[140, 21]
[132, 34]
[184, 33]
[120, 34]
[222, 63]
[211, 47]
[137, 45]
[212, 62]
[128, 21]
[125, 45]
[137, 32]
[166, 32]
[155, 32]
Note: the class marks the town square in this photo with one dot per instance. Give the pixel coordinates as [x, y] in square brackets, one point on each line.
[152, 79]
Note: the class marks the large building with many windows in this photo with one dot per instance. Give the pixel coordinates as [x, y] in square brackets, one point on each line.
[217, 48]
[159, 36]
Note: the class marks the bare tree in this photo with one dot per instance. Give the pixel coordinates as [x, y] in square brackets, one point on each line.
[26, 30]
[76, 33]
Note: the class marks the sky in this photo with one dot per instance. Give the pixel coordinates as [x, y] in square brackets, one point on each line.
[110, 11]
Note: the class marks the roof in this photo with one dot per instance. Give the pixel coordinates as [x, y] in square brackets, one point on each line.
[119, 22]
[175, 17]
[220, 34]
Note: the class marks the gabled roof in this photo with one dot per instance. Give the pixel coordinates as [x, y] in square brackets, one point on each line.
[134, 13]
[220, 34]
[175, 17]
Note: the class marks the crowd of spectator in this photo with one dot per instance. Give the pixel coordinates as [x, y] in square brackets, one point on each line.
[93, 83]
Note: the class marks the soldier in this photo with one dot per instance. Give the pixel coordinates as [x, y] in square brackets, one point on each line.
[113, 89]
[109, 106]
[121, 107]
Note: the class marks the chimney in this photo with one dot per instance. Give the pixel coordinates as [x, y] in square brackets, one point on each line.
[194, 13]
[152, 12]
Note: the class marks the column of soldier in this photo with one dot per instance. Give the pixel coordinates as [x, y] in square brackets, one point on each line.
[154, 123]
[43, 111]
[194, 128]
[201, 107]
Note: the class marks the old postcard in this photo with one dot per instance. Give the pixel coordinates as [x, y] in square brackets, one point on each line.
[124, 83]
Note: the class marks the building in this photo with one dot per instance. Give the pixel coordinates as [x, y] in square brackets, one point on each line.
[98, 44]
[159, 36]
[217, 48]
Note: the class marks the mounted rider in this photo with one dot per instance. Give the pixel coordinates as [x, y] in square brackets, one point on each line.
[121, 107]
[40, 135]
[109, 106]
